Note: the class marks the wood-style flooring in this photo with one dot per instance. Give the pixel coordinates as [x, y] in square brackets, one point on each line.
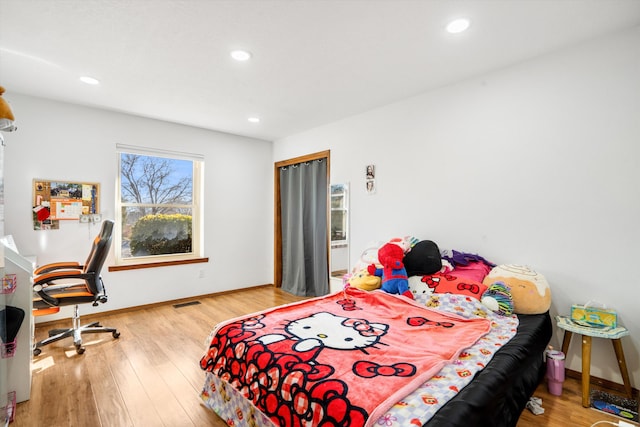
[150, 376]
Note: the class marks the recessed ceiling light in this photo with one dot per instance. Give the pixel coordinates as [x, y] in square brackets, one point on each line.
[254, 119]
[241, 55]
[458, 25]
[89, 80]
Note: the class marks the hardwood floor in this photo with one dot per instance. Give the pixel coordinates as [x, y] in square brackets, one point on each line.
[150, 375]
[565, 410]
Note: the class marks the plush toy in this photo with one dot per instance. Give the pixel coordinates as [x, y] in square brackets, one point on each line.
[405, 243]
[529, 289]
[498, 298]
[423, 258]
[363, 280]
[370, 255]
[393, 273]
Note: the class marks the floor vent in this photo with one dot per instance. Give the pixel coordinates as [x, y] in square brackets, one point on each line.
[186, 304]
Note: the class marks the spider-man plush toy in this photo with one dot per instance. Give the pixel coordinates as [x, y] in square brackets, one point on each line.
[393, 273]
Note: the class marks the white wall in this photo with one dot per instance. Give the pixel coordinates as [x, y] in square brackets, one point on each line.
[537, 164]
[66, 142]
[339, 258]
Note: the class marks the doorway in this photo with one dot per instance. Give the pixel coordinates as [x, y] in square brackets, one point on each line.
[278, 214]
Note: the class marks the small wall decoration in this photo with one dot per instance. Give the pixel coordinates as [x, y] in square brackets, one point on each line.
[60, 200]
[370, 179]
[371, 186]
[371, 172]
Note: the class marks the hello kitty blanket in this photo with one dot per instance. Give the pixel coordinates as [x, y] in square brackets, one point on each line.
[338, 360]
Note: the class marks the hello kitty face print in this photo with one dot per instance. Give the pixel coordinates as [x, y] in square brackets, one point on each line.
[340, 333]
[326, 330]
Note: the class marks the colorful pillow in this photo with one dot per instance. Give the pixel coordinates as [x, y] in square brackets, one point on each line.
[529, 289]
[474, 270]
[449, 283]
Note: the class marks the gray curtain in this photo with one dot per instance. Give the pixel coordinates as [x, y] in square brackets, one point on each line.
[303, 197]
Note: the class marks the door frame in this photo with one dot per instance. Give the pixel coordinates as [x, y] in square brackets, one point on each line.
[277, 206]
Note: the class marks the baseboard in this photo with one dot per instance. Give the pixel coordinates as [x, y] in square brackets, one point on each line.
[86, 318]
[600, 382]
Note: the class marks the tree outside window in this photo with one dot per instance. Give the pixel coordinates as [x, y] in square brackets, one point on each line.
[159, 215]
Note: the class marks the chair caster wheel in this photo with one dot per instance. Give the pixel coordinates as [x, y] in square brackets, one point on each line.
[79, 349]
[116, 334]
[36, 351]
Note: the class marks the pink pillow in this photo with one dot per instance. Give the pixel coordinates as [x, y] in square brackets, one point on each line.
[476, 270]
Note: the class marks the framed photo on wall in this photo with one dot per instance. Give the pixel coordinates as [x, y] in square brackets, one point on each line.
[370, 172]
[370, 178]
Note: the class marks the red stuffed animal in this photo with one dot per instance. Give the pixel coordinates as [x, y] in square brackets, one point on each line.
[393, 273]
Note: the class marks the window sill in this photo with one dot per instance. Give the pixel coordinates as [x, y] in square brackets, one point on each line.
[156, 264]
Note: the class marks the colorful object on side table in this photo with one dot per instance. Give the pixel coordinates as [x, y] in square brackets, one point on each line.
[530, 290]
[393, 273]
[590, 315]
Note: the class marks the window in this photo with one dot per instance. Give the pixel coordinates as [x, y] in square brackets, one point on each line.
[339, 215]
[158, 206]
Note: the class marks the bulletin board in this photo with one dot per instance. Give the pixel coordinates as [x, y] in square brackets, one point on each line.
[55, 201]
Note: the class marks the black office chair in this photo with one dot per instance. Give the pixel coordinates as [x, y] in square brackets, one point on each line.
[86, 287]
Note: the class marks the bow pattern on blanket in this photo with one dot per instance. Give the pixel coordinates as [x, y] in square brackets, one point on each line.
[342, 359]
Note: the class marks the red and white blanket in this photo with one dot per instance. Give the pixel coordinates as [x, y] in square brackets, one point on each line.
[342, 359]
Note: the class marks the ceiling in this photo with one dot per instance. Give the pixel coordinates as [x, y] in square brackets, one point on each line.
[314, 61]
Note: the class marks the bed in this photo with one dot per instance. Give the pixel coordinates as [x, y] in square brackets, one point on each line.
[441, 360]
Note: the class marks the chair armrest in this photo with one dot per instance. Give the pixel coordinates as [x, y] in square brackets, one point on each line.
[57, 266]
[43, 279]
[53, 302]
[41, 283]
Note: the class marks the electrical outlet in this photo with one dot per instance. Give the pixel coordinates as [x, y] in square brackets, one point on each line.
[85, 218]
[96, 218]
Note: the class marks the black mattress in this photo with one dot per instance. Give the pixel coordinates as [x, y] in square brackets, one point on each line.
[498, 394]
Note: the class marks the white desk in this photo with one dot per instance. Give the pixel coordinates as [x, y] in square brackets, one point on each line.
[18, 367]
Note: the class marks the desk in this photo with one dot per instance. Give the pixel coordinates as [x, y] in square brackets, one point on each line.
[614, 334]
[19, 366]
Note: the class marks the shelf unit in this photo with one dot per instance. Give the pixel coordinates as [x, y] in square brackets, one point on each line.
[15, 380]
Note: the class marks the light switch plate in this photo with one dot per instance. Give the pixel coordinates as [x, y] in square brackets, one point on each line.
[85, 218]
[96, 218]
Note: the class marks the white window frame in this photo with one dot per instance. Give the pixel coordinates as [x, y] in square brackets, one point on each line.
[197, 241]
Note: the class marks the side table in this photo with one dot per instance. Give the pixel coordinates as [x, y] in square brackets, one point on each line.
[614, 334]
